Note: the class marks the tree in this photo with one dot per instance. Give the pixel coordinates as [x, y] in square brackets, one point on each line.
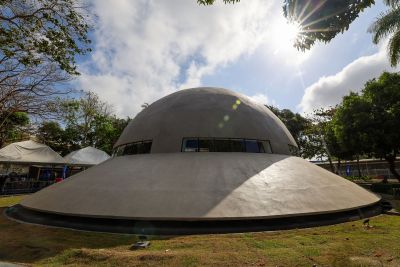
[322, 20]
[388, 24]
[383, 96]
[38, 44]
[13, 127]
[34, 32]
[352, 123]
[107, 131]
[318, 20]
[89, 122]
[28, 89]
[368, 123]
[297, 126]
[210, 2]
[51, 134]
[82, 115]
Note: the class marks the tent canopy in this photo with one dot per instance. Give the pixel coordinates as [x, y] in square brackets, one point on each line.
[86, 156]
[29, 152]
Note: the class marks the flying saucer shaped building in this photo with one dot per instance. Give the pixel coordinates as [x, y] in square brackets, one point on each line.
[200, 160]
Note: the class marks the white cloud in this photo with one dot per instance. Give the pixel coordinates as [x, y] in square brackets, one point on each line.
[144, 49]
[329, 90]
[261, 99]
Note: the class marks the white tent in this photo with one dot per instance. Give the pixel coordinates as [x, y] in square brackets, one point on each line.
[29, 152]
[86, 156]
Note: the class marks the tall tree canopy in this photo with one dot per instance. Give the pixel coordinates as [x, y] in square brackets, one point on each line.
[87, 121]
[368, 123]
[39, 40]
[35, 31]
[13, 128]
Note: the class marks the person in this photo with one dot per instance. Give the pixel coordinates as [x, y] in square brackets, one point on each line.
[3, 179]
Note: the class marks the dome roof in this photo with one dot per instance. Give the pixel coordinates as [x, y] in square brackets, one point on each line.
[205, 112]
[181, 191]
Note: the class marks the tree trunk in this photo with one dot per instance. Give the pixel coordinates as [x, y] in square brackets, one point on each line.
[338, 171]
[331, 164]
[358, 166]
[392, 166]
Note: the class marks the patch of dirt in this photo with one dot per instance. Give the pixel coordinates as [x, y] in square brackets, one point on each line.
[377, 260]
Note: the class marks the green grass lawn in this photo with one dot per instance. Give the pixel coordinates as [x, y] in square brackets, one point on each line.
[8, 201]
[347, 244]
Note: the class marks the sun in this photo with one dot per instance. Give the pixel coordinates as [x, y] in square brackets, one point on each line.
[281, 39]
[284, 33]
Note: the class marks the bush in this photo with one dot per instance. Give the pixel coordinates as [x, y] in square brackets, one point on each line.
[382, 188]
[358, 178]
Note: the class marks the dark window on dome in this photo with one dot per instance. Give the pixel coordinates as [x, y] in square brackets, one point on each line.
[146, 147]
[131, 149]
[252, 146]
[141, 147]
[222, 145]
[190, 145]
[206, 145]
[193, 144]
[237, 145]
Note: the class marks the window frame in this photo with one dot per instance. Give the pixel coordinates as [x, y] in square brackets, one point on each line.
[259, 143]
[120, 150]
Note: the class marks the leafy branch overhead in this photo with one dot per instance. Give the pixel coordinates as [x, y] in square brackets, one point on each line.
[32, 32]
[322, 20]
[210, 2]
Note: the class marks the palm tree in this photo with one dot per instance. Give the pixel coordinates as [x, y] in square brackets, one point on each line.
[388, 24]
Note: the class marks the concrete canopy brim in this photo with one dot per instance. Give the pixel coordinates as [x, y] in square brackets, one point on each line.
[201, 186]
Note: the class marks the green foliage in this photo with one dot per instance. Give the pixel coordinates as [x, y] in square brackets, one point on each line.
[383, 96]
[36, 31]
[13, 127]
[210, 2]
[388, 24]
[88, 122]
[322, 20]
[60, 140]
[382, 188]
[297, 126]
[368, 123]
[357, 178]
[351, 124]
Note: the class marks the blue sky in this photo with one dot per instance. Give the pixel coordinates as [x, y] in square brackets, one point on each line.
[144, 50]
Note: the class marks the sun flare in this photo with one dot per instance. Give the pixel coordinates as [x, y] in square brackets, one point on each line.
[282, 38]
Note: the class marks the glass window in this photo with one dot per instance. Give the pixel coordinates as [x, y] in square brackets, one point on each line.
[130, 149]
[141, 147]
[237, 145]
[147, 146]
[190, 145]
[225, 145]
[252, 146]
[206, 145]
[222, 145]
[265, 147]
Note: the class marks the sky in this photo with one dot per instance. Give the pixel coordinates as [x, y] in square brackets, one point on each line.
[146, 49]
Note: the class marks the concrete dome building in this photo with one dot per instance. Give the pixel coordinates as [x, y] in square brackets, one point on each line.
[200, 160]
